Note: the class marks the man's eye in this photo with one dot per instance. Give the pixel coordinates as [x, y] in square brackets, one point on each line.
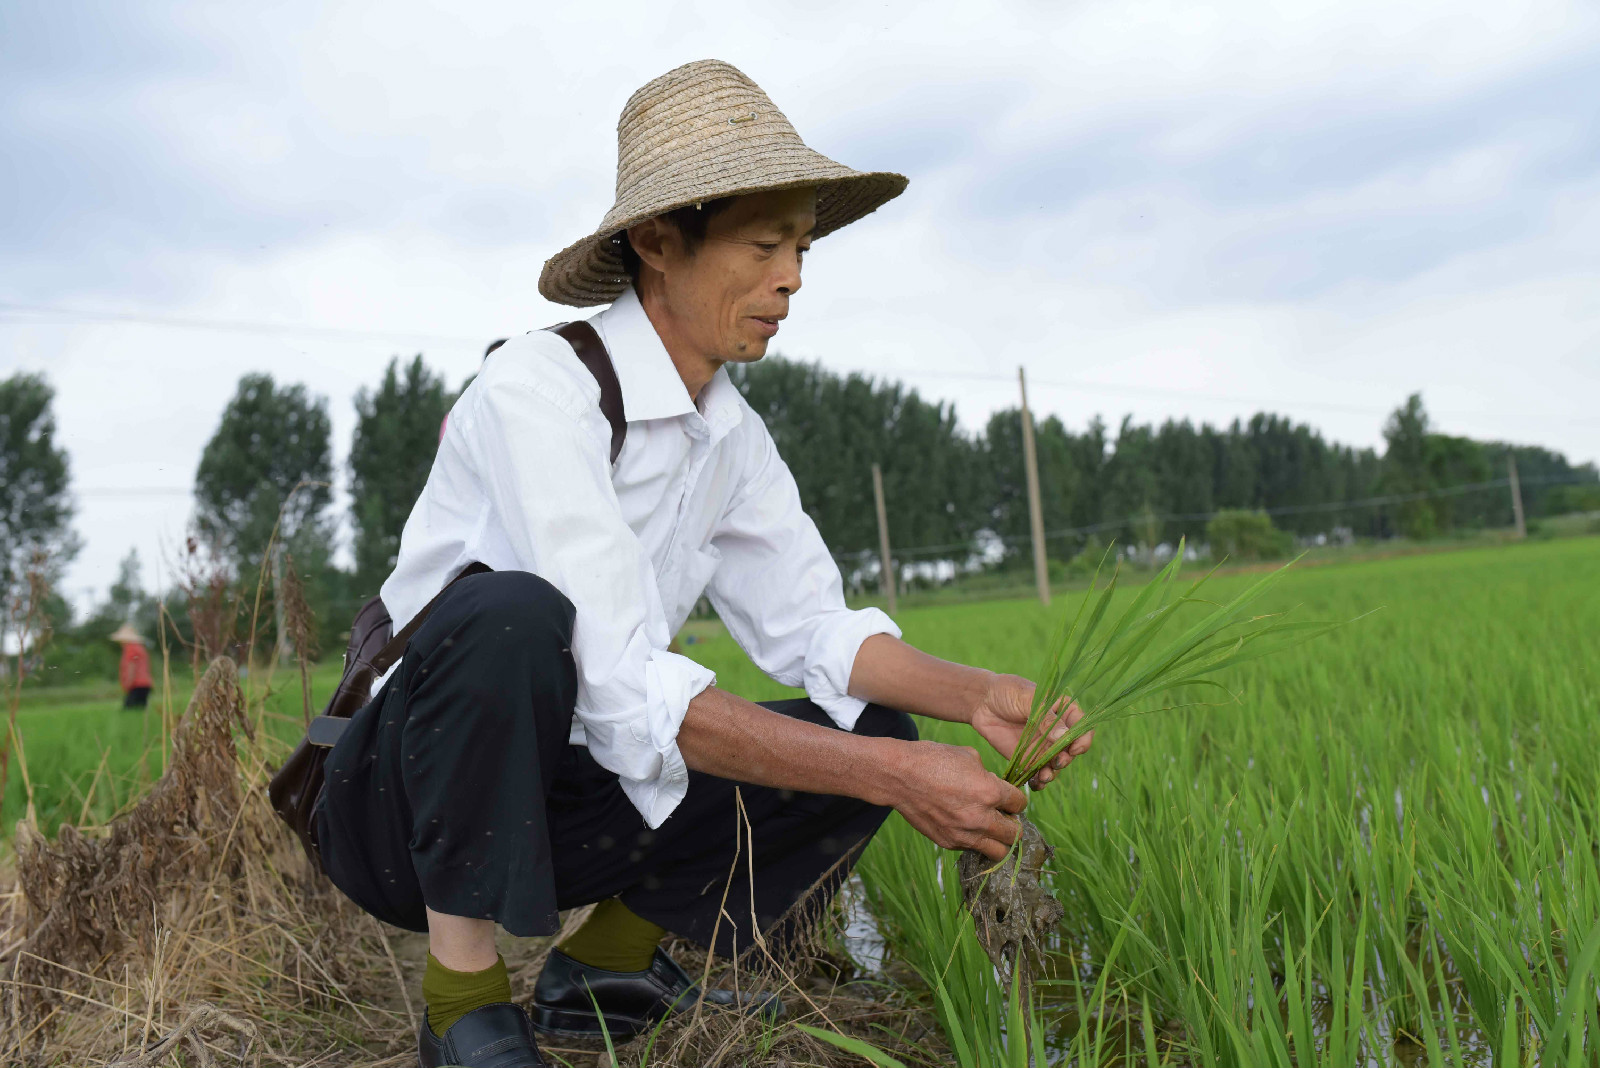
[767, 247]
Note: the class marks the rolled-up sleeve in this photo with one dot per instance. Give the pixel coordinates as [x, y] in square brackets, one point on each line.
[779, 592]
[542, 450]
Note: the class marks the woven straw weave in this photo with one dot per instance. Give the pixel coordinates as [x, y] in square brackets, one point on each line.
[697, 133]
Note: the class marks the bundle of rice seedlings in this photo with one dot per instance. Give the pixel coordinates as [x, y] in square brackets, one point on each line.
[1166, 645]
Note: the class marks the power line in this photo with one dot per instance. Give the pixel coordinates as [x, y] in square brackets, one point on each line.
[40, 313]
[27, 314]
[1169, 393]
[134, 491]
[1088, 386]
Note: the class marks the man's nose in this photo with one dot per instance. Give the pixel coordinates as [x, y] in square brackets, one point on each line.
[788, 279]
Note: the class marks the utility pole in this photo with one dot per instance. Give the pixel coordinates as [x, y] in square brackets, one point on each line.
[1030, 461]
[883, 536]
[1516, 495]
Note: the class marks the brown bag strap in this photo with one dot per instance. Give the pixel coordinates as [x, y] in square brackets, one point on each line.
[396, 646]
[592, 351]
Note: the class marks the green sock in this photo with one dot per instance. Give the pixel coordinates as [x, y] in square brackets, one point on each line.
[615, 939]
[451, 995]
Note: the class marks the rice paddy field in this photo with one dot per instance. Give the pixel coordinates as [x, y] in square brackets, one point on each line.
[1386, 851]
[85, 758]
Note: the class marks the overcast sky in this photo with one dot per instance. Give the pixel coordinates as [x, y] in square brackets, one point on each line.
[1159, 209]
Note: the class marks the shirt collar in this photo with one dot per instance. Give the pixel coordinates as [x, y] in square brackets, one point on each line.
[651, 386]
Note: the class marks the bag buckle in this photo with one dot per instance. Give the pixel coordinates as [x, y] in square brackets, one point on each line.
[324, 731]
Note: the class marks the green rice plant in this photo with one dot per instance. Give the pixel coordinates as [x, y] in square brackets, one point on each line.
[913, 891]
[865, 1050]
[1452, 735]
[1114, 667]
[1021, 1020]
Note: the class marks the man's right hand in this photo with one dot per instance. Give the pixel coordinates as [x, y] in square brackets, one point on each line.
[945, 792]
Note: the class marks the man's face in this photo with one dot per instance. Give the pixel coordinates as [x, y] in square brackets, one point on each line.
[728, 296]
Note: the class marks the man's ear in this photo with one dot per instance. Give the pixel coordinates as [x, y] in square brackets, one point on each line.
[654, 240]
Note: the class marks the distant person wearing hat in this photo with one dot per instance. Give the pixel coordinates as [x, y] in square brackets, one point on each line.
[539, 747]
[134, 671]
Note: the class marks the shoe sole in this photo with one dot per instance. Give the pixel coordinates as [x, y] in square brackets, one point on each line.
[585, 1024]
[620, 1028]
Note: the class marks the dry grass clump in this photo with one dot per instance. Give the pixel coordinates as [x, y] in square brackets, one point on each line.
[191, 921]
[821, 987]
[815, 992]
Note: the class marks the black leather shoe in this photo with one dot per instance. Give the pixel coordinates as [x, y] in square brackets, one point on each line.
[494, 1036]
[630, 1001]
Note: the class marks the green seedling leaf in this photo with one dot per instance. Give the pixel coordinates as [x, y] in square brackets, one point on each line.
[865, 1050]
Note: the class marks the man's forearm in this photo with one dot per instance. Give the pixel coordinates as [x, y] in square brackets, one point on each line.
[890, 672]
[942, 790]
[727, 736]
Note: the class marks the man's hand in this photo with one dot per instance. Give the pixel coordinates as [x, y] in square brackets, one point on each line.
[892, 673]
[1003, 712]
[945, 792]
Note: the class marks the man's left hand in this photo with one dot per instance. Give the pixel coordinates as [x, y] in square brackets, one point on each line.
[1003, 713]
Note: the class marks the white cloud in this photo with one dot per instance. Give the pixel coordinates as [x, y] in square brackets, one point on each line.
[1324, 205]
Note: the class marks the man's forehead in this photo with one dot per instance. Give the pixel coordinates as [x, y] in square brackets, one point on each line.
[789, 211]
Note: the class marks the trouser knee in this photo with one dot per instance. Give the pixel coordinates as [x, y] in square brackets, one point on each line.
[498, 644]
[506, 609]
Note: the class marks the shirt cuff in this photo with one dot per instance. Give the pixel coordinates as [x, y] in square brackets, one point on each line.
[671, 682]
[832, 656]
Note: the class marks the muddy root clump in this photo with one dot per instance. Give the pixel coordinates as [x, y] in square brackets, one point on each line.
[1013, 911]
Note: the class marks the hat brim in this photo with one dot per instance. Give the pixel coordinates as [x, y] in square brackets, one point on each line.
[590, 271]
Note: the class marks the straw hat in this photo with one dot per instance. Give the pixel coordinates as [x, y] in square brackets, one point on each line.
[126, 633]
[697, 133]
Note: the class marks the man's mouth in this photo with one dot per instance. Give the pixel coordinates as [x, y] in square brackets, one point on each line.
[767, 324]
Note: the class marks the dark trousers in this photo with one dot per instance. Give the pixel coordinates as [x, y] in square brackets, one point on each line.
[137, 697]
[456, 789]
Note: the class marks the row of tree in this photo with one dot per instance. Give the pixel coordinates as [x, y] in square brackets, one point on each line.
[265, 477]
[1144, 483]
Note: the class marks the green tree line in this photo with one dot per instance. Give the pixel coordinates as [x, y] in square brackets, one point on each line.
[267, 476]
[1144, 483]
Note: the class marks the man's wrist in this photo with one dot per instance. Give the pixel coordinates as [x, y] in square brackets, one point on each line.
[884, 782]
[978, 693]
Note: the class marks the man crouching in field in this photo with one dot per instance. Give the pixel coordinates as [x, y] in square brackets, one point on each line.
[538, 747]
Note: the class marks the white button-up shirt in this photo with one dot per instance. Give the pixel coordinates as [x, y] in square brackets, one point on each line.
[699, 501]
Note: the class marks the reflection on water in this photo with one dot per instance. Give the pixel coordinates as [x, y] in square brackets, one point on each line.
[862, 939]
[1118, 1033]
[1067, 982]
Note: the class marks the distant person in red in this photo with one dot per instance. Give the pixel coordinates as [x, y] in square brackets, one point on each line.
[134, 673]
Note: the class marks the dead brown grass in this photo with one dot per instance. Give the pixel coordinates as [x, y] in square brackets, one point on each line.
[191, 921]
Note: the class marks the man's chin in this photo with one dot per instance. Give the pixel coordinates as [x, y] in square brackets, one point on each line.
[748, 350]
